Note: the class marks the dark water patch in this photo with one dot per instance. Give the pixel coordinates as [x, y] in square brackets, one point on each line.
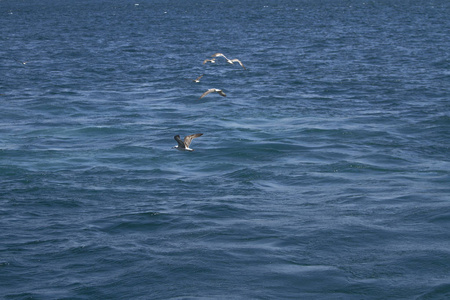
[441, 218]
[232, 209]
[353, 167]
[139, 222]
[246, 175]
[438, 291]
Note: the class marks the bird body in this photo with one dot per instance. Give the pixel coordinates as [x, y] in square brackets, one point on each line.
[184, 145]
[197, 80]
[213, 61]
[220, 92]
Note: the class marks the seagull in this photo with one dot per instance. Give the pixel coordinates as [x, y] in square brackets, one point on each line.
[220, 92]
[184, 145]
[230, 61]
[198, 78]
[213, 61]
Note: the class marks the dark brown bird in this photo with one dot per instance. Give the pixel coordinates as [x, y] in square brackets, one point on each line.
[184, 145]
[197, 79]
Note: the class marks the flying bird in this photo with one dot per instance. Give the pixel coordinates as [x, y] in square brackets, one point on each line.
[220, 92]
[20, 62]
[230, 61]
[184, 145]
[213, 61]
[197, 79]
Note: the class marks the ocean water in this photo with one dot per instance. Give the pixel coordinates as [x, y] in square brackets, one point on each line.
[324, 173]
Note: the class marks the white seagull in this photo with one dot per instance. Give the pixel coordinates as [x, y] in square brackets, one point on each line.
[184, 145]
[230, 61]
[220, 92]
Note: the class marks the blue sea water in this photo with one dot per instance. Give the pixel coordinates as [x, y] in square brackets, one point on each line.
[324, 173]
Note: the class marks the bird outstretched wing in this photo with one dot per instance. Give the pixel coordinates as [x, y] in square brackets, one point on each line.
[239, 62]
[221, 93]
[219, 54]
[188, 139]
[179, 141]
[207, 92]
